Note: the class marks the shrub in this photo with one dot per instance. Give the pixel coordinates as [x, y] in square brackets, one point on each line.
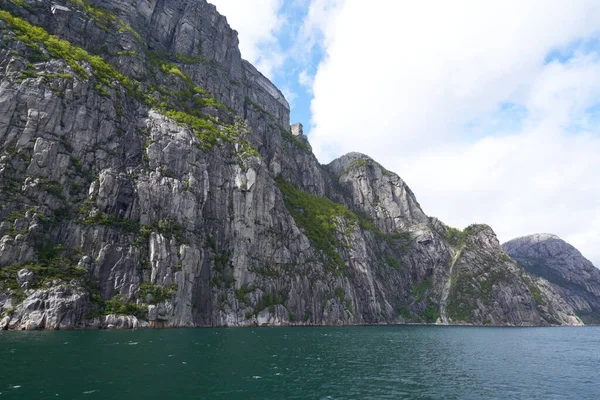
[242, 294]
[118, 305]
[157, 293]
[100, 218]
[455, 237]
[269, 300]
[431, 313]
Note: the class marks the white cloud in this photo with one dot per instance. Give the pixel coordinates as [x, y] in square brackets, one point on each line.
[305, 80]
[257, 34]
[320, 22]
[402, 80]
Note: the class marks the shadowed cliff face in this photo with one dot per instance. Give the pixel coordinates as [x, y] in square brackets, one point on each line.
[149, 178]
[562, 265]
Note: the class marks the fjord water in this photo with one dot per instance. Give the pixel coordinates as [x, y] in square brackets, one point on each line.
[391, 362]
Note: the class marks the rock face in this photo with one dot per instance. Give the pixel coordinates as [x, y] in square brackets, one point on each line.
[150, 177]
[562, 265]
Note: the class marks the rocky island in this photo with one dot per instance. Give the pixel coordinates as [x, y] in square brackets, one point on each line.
[150, 177]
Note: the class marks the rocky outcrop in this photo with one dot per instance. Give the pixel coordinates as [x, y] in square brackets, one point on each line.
[562, 265]
[150, 178]
[490, 288]
[377, 192]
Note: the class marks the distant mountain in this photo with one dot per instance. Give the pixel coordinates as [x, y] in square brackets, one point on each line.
[569, 272]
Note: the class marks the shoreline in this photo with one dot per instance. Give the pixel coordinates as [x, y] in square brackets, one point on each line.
[132, 328]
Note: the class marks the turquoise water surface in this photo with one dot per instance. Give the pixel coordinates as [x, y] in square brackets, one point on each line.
[376, 362]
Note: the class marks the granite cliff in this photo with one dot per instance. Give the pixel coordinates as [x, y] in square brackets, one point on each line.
[149, 176]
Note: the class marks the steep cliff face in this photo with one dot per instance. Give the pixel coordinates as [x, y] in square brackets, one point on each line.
[150, 178]
[562, 265]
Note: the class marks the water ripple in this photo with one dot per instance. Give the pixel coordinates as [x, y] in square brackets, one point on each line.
[398, 362]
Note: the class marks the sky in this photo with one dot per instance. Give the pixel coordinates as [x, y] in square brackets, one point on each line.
[489, 111]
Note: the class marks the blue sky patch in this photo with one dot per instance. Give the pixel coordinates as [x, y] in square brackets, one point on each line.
[296, 61]
[564, 54]
[508, 118]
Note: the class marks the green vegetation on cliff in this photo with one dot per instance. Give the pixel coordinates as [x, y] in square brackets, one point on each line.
[53, 263]
[153, 294]
[536, 293]
[104, 19]
[184, 106]
[431, 313]
[120, 306]
[458, 238]
[322, 220]
[33, 36]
